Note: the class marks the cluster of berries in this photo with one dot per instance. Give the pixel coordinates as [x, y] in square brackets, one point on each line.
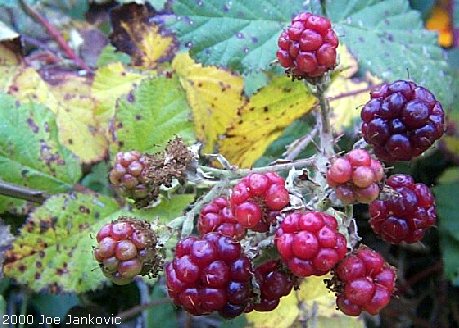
[127, 247]
[211, 273]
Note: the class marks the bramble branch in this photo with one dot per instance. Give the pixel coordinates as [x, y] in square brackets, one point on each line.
[15, 191]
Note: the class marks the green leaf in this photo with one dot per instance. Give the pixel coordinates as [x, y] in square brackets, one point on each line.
[97, 179]
[152, 114]
[447, 208]
[254, 81]
[294, 131]
[167, 209]
[161, 313]
[238, 34]
[424, 6]
[110, 55]
[30, 154]
[54, 305]
[388, 39]
[54, 249]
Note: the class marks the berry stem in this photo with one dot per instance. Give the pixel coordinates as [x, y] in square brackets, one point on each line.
[323, 120]
[15, 191]
[239, 173]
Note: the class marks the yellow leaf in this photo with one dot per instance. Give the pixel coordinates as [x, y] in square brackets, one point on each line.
[263, 118]
[214, 94]
[110, 83]
[281, 317]
[134, 34]
[314, 294]
[440, 21]
[347, 63]
[70, 100]
[346, 98]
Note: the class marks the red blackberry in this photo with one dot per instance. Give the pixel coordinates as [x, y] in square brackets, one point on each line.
[364, 282]
[406, 213]
[307, 49]
[129, 174]
[274, 283]
[217, 216]
[126, 248]
[355, 177]
[257, 199]
[402, 120]
[309, 243]
[210, 274]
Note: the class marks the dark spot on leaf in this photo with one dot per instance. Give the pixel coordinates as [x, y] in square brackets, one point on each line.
[188, 44]
[251, 109]
[119, 125]
[226, 7]
[287, 90]
[390, 37]
[240, 35]
[120, 144]
[22, 268]
[33, 126]
[254, 39]
[96, 215]
[240, 122]
[70, 141]
[130, 97]
[123, 73]
[41, 254]
[265, 109]
[38, 264]
[60, 272]
[84, 209]
[200, 85]
[37, 275]
[44, 225]
[138, 117]
[361, 39]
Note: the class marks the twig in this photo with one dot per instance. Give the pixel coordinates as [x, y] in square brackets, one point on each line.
[295, 148]
[239, 173]
[55, 34]
[139, 308]
[15, 191]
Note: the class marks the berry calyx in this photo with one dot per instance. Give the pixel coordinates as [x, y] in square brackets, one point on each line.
[210, 274]
[217, 216]
[257, 199]
[274, 283]
[307, 48]
[402, 120]
[355, 177]
[309, 243]
[405, 214]
[126, 248]
[363, 282]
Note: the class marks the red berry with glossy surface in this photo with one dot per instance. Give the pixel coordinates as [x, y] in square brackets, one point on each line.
[126, 248]
[210, 274]
[257, 199]
[309, 243]
[355, 177]
[402, 120]
[365, 282]
[217, 216]
[274, 282]
[405, 213]
[307, 48]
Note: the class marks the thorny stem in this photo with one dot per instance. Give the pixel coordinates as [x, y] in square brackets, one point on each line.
[326, 137]
[12, 190]
[239, 173]
[55, 34]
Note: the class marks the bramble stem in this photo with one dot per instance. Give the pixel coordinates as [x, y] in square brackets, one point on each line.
[326, 136]
[239, 173]
[295, 148]
[15, 191]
